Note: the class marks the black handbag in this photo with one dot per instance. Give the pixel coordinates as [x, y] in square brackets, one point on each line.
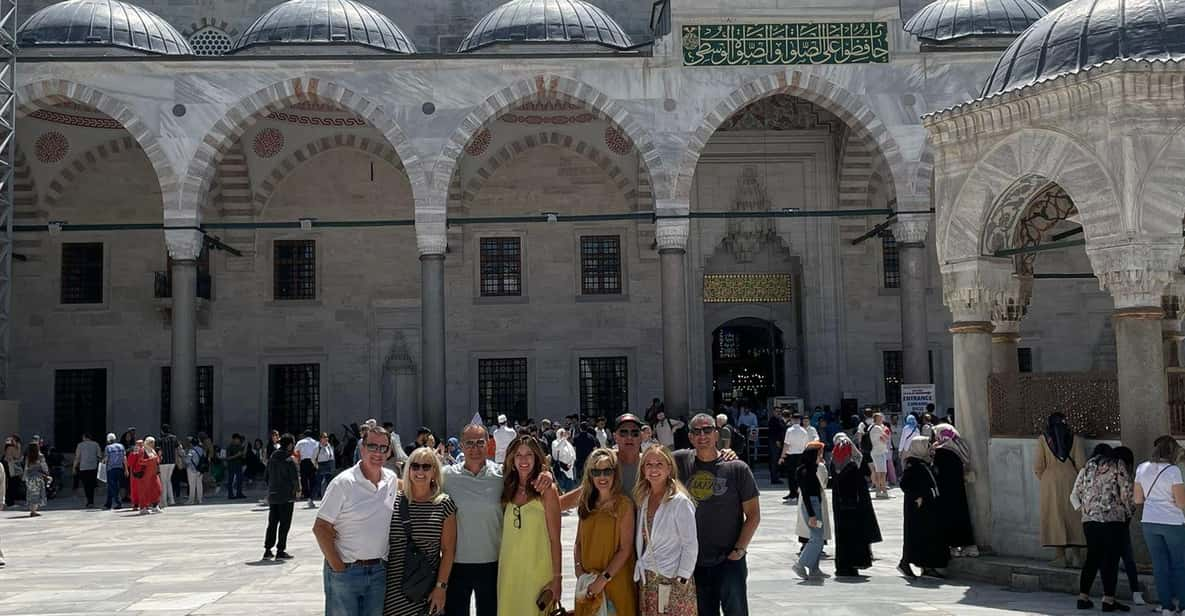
[419, 574]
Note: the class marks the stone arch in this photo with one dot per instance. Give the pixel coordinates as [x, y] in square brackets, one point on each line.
[543, 86]
[1004, 180]
[526, 143]
[290, 163]
[810, 87]
[1160, 206]
[55, 91]
[84, 162]
[222, 135]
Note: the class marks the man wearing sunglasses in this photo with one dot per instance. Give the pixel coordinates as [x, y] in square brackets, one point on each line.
[727, 514]
[352, 527]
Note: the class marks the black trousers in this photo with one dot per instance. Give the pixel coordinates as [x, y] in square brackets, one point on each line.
[472, 579]
[279, 517]
[308, 478]
[89, 480]
[1104, 548]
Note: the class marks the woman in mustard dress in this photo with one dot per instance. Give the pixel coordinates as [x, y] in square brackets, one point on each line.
[605, 539]
[529, 559]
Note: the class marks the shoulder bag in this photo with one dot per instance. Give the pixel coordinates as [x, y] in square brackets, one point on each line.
[419, 574]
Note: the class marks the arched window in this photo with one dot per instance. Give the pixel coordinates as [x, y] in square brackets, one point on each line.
[210, 41]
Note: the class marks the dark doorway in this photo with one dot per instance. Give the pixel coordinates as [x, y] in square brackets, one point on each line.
[80, 405]
[748, 362]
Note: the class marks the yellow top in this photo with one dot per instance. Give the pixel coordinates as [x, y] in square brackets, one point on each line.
[598, 535]
[524, 560]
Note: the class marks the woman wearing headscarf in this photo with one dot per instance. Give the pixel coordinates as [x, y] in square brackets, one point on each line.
[804, 531]
[1103, 491]
[924, 545]
[856, 528]
[909, 431]
[810, 513]
[1059, 458]
[952, 463]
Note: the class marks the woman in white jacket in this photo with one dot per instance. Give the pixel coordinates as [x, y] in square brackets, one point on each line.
[563, 455]
[666, 542]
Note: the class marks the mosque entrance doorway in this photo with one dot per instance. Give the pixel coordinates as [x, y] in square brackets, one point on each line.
[748, 362]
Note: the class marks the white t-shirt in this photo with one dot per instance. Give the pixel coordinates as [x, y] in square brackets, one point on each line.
[796, 439]
[1159, 506]
[360, 513]
[503, 436]
[878, 434]
[307, 448]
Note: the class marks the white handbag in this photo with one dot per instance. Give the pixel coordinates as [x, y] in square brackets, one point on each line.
[102, 472]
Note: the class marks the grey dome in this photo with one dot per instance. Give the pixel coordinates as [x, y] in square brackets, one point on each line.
[104, 23]
[319, 22]
[546, 21]
[946, 20]
[1086, 33]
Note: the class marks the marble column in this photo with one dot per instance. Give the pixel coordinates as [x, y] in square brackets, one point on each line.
[432, 340]
[910, 231]
[1007, 313]
[184, 246]
[970, 290]
[671, 236]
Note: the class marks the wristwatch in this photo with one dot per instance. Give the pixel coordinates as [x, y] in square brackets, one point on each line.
[607, 576]
[442, 585]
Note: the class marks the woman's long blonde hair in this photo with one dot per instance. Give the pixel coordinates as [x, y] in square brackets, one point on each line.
[642, 486]
[420, 456]
[590, 494]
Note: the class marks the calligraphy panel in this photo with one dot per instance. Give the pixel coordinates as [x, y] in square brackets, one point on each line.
[783, 44]
[746, 288]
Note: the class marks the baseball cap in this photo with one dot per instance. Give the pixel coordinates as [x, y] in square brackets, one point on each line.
[626, 418]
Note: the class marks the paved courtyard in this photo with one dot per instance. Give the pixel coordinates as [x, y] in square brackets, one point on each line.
[205, 560]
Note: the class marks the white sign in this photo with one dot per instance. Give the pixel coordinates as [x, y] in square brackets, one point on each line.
[914, 398]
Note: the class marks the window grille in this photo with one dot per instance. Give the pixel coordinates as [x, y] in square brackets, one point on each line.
[294, 397]
[890, 261]
[502, 387]
[210, 41]
[80, 405]
[295, 275]
[600, 265]
[82, 273]
[205, 398]
[604, 386]
[501, 267]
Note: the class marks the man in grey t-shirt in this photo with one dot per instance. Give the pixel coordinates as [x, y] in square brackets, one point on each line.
[86, 466]
[727, 514]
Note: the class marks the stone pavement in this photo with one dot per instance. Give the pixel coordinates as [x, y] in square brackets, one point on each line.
[204, 560]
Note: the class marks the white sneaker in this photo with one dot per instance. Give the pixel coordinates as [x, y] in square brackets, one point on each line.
[1138, 598]
[800, 571]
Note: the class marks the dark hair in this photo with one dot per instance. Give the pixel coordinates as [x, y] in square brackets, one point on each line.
[166, 428]
[309, 432]
[510, 474]
[379, 430]
[1165, 449]
[1125, 455]
[32, 453]
[286, 441]
[1102, 451]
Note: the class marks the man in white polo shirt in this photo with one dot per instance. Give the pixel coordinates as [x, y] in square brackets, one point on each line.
[307, 450]
[351, 530]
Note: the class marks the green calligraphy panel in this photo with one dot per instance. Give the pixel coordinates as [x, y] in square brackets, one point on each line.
[781, 44]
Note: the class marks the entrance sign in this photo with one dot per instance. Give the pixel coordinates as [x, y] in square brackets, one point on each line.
[783, 44]
[746, 288]
[914, 398]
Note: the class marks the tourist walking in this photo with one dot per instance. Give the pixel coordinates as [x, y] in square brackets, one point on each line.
[236, 458]
[775, 435]
[727, 514]
[924, 544]
[306, 452]
[665, 428]
[503, 435]
[133, 463]
[810, 491]
[604, 549]
[354, 517]
[804, 531]
[1105, 496]
[530, 575]
[796, 439]
[87, 456]
[146, 478]
[170, 451]
[878, 437]
[424, 520]
[584, 443]
[283, 481]
[1059, 458]
[37, 479]
[324, 461]
[666, 541]
[856, 527]
[1159, 487]
[195, 466]
[116, 459]
[563, 456]
[952, 465]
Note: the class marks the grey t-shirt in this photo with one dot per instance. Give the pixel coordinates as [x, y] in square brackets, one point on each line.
[629, 477]
[719, 489]
[479, 511]
[88, 456]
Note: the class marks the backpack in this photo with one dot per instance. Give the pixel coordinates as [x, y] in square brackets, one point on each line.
[203, 465]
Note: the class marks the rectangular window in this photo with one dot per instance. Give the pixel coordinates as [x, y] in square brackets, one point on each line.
[294, 397]
[894, 373]
[79, 405]
[1024, 359]
[890, 262]
[295, 269]
[502, 388]
[604, 386]
[501, 267]
[82, 273]
[205, 398]
[600, 265]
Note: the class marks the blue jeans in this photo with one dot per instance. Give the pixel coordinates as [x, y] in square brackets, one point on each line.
[114, 479]
[234, 481]
[357, 591]
[1166, 543]
[814, 547]
[722, 587]
[324, 476]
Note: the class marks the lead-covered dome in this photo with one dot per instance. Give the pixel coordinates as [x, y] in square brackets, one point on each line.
[546, 21]
[321, 22]
[1085, 33]
[101, 23]
[948, 20]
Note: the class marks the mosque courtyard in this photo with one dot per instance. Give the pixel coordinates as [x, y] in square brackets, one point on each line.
[205, 560]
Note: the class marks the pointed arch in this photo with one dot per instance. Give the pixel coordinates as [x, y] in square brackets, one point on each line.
[86, 161]
[290, 163]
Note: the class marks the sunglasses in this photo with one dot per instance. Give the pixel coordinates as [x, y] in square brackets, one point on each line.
[601, 472]
[518, 517]
[702, 431]
[375, 447]
[477, 443]
[633, 433]
[416, 466]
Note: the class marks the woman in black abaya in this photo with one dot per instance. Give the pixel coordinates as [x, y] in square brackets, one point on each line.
[856, 528]
[924, 545]
[952, 463]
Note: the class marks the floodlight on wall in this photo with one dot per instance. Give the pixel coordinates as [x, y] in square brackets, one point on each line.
[306, 224]
[55, 226]
[552, 216]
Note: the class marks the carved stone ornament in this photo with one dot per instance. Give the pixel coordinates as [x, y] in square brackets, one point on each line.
[1136, 275]
[671, 233]
[184, 244]
[431, 243]
[911, 228]
[747, 236]
[1013, 304]
[399, 360]
[973, 289]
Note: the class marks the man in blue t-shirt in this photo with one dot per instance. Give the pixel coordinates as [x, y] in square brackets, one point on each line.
[114, 456]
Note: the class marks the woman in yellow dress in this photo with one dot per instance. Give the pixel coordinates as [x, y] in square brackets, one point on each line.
[605, 540]
[529, 559]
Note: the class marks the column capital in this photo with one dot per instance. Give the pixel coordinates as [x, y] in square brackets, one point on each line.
[431, 244]
[671, 233]
[911, 228]
[1136, 274]
[672, 206]
[972, 289]
[184, 244]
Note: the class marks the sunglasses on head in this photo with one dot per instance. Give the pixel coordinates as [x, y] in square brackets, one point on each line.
[601, 472]
[377, 448]
[416, 466]
[702, 431]
[633, 433]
